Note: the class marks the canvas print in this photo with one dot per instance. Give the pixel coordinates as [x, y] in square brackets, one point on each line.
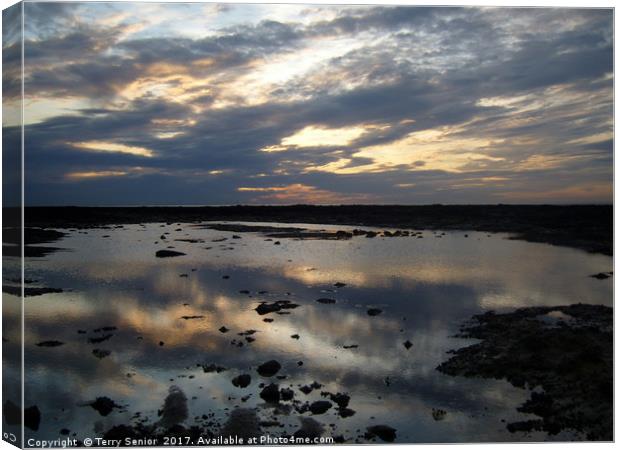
[245, 224]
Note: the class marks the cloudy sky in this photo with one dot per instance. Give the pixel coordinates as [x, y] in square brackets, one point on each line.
[130, 103]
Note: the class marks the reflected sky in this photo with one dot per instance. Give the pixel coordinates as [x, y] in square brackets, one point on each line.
[425, 287]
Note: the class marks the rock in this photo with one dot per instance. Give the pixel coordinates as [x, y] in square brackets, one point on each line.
[350, 346]
[97, 340]
[269, 369]
[192, 317]
[287, 394]
[12, 413]
[342, 400]
[168, 253]
[244, 291]
[320, 407]
[268, 320]
[383, 432]
[101, 353]
[326, 301]
[209, 368]
[223, 329]
[32, 417]
[439, 414]
[407, 344]
[300, 363]
[266, 308]
[374, 311]
[600, 276]
[371, 234]
[306, 389]
[103, 405]
[161, 343]
[50, 344]
[242, 381]
[30, 291]
[345, 412]
[271, 393]
[339, 284]
[225, 277]
[572, 364]
[295, 336]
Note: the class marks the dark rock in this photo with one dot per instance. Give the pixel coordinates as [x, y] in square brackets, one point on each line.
[168, 253]
[242, 381]
[339, 284]
[572, 364]
[374, 311]
[326, 301]
[306, 389]
[29, 291]
[223, 329]
[345, 412]
[342, 400]
[320, 407]
[209, 368]
[101, 353]
[50, 344]
[383, 432]
[295, 336]
[271, 393]
[287, 394]
[269, 369]
[266, 308]
[439, 414]
[600, 276]
[407, 344]
[103, 405]
[32, 417]
[97, 340]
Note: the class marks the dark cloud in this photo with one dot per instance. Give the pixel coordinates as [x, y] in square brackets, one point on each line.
[413, 69]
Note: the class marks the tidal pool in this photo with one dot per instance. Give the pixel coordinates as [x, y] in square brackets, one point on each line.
[167, 314]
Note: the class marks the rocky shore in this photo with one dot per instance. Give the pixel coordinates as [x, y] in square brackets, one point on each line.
[587, 227]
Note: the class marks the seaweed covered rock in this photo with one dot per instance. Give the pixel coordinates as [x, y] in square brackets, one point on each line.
[564, 351]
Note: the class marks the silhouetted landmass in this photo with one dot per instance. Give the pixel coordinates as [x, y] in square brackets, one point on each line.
[587, 227]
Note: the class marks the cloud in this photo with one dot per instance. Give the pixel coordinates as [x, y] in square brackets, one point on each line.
[355, 102]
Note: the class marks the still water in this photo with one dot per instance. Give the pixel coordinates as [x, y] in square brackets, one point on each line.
[426, 288]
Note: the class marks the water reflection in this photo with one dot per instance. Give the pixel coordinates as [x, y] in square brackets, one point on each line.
[424, 287]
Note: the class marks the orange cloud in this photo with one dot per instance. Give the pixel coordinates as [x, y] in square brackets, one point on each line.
[302, 193]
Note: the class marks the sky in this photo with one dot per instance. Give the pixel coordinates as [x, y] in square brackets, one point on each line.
[145, 104]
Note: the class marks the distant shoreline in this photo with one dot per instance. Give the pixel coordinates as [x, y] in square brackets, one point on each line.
[586, 227]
